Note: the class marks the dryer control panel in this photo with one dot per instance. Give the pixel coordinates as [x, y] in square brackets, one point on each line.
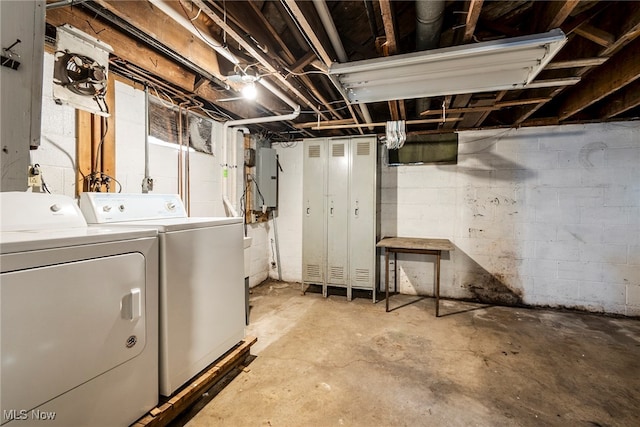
[103, 208]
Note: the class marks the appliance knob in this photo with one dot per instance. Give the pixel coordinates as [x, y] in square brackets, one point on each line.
[106, 208]
[171, 206]
[55, 208]
[121, 208]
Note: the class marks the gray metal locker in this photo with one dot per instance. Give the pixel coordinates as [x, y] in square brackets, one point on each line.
[337, 213]
[362, 214]
[314, 219]
[338, 247]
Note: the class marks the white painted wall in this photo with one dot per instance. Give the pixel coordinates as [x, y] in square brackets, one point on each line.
[543, 216]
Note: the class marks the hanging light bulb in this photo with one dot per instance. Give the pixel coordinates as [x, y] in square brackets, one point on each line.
[249, 91]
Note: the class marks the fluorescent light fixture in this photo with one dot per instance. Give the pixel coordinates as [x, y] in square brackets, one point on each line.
[481, 67]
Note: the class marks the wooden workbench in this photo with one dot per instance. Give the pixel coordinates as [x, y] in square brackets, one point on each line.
[413, 245]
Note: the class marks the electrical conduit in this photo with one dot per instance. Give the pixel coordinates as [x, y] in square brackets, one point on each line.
[257, 120]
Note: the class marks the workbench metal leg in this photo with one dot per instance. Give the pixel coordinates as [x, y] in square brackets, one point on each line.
[386, 279]
[395, 272]
[438, 284]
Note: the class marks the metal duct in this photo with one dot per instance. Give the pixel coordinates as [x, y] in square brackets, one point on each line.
[334, 37]
[429, 16]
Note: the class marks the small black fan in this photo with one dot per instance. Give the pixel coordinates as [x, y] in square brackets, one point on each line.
[80, 74]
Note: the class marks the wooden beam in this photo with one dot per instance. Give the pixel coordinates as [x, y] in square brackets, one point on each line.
[619, 71]
[144, 16]
[573, 63]
[305, 60]
[83, 150]
[495, 106]
[309, 125]
[397, 109]
[594, 34]
[388, 21]
[621, 101]
[473, 14]
[379, 124]
[548, 15]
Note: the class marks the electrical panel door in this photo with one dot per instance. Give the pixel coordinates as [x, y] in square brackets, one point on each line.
[362, 213]
[313, 216]
[337, 208]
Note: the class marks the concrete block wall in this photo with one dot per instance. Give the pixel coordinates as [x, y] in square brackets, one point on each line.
[542, 216]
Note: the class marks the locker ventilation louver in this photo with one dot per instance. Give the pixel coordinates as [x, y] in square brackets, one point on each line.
[336, 274]
[314, 151]
[313, 271]
[362, 275]
[362, 149]
[337, 150]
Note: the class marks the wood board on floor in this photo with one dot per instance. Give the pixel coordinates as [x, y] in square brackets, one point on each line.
[180, 401]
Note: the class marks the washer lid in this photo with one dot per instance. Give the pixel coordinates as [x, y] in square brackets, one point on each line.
[24, 241]
[178, 224]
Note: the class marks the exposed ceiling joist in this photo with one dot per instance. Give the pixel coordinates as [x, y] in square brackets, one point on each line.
[613, 75]
[551, 14]
[622, 101]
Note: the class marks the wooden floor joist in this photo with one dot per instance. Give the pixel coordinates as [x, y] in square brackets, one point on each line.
[166, 411]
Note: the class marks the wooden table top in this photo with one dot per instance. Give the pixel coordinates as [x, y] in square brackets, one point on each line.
[417, 243]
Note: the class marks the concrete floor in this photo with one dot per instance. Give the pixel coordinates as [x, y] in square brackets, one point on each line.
[323, 362]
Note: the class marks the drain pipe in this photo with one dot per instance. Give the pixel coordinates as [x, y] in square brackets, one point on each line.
[256, 120]
[429, 16]
[334, 37]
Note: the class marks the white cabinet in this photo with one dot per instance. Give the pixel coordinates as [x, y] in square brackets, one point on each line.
[340, 226]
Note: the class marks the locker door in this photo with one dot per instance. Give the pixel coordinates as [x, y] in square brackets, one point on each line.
[362, 212]
[337, 207]
[313, 216]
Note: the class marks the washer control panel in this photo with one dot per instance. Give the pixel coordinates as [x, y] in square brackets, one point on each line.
[101, 208]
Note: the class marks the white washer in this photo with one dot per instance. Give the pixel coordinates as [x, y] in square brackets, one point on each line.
[202, 312]
[78, 316]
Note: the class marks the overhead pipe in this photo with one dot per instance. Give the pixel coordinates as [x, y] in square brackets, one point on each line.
[63, 3]
[334, 37]
[256, 120]
[189, 26]
[429, 16]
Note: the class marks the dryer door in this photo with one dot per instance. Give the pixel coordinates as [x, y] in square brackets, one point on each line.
[63, 325]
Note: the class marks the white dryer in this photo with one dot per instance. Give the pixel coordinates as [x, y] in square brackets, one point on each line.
[202, 308]
[78, 316]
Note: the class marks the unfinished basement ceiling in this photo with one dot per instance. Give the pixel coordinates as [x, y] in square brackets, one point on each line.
[290, 44]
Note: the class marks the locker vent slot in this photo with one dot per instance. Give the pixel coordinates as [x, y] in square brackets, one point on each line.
[362, 275]
[337, 150]
[362, 149]
[313, 271]
[336, 274]
[314, 151]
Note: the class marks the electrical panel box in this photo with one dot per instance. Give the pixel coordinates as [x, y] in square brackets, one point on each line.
[265, 184]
